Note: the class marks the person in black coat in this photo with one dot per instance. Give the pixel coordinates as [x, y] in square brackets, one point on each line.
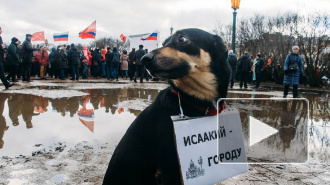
[60, 62]
[2, 71]
[12, 59]
[139, 66]
[131, 64]
[108, 62]
[96, 62]
[20, 64]
[114, 58]
[259, 66]
[245, 69]
[74, 59]
[28, 57]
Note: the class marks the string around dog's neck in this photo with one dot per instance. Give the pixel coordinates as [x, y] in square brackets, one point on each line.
[209, 111]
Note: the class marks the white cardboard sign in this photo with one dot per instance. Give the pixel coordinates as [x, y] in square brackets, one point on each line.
[196, 139]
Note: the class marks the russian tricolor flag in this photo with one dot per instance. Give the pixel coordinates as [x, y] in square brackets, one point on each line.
[89, 32]
[152, 36]
[61, 36]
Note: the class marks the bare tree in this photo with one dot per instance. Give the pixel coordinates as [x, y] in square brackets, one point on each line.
[275, 35]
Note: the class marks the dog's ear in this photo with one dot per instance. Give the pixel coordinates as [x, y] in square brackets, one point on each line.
[220, 44]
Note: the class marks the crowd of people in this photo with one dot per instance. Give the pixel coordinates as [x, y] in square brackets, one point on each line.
[21, 61]
[254, 69]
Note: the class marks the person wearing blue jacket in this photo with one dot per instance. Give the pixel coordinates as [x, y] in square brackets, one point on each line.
[293, 67]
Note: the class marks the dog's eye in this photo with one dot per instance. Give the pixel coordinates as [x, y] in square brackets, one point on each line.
[182, 39]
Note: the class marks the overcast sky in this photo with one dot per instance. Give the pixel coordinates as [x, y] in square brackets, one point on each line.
[129, 17]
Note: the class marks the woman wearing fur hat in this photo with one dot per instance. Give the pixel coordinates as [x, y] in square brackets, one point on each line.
[13, 59]
[293, 67]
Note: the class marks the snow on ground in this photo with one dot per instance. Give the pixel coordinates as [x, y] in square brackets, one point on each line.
[137, 104]
[269, 93]
[56, 93]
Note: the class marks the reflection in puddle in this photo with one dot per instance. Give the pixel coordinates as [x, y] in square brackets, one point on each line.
[30, 120]
[105, 114]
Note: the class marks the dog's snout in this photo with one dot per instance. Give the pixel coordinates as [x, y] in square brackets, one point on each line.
[147, 59]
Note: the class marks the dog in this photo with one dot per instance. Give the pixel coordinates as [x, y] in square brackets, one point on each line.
[195, 62]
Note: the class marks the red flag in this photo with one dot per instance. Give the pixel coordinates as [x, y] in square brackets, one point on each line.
[39, 36]
[89, 32]
[123, 38]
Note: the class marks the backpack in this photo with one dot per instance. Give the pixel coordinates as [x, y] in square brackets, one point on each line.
[232, 61]
[115, 58]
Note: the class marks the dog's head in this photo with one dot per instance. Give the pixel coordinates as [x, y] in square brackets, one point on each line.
[195, 61]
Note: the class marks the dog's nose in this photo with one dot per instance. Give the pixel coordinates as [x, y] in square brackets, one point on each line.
[147, 59]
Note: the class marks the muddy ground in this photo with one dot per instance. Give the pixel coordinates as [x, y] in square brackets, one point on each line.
[86, 164]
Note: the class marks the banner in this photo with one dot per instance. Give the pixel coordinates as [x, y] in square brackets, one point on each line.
[135, 41]
[39, 36]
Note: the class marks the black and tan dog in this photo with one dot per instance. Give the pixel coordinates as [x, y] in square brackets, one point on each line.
[195, 62]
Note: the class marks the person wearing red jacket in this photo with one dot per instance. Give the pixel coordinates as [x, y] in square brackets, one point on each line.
[44, 62]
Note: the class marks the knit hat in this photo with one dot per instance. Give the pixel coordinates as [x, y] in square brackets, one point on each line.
[295, 47]
[28, 35]
[72, 45]
[14, 39]
[140, 46]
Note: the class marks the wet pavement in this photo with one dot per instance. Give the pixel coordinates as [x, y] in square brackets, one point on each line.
[56, 116]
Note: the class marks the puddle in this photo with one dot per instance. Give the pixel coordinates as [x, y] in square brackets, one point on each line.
[39, 117]
[31, 122]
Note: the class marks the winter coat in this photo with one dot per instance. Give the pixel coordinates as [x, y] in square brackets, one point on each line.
[20, 53]
[103, 54]
[124, 62]
[108, 58]
[28, 51]
[97, 57]
[74, 56]
[89, 63]
[232, 60]
[245, 63]
[12, 55]
[114, 50]
[292, 78]
[131, 57]
[259, 65]
[51, 56]
[138, 55]
[44, 58]
[36, 56]
[60, 60]
[86, 55]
